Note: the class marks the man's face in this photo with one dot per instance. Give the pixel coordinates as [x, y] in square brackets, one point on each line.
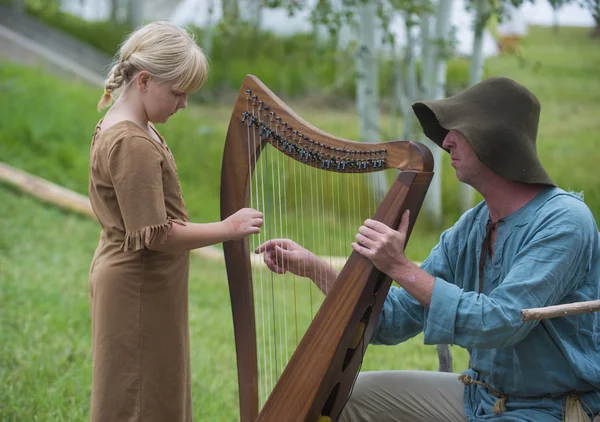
[468, 168]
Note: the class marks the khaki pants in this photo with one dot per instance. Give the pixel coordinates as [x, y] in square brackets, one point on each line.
[406, 396]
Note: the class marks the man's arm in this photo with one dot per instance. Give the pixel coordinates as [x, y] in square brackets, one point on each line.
[404, 310]
[543, 272]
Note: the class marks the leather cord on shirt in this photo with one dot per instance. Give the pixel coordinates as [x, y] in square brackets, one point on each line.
[486, 249]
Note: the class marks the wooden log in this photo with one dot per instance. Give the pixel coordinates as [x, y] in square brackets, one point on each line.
[69, 200]
[560, 310]
[46, 191]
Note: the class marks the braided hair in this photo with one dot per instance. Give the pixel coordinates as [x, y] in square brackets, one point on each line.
[164, 50]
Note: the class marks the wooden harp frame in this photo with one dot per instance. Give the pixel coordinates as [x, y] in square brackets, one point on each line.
[320, 375]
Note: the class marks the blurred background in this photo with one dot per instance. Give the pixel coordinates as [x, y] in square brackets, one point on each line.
[349, 67]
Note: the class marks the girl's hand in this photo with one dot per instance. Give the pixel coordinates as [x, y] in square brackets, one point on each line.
[243, 223]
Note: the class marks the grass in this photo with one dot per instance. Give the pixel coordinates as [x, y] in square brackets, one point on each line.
[45, 359]
[45, 128]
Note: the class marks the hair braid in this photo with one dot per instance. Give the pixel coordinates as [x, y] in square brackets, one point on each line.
[118, 76]
[164, 50]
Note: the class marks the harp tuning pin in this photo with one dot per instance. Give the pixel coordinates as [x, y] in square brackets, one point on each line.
[267, 108]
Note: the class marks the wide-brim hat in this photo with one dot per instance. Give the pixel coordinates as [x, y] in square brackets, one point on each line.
[499, 118]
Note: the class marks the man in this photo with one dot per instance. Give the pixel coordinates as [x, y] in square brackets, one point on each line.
[528, 244]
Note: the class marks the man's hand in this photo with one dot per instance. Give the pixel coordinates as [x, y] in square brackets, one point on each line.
[283, 255]
[382, 245]
[385, 248]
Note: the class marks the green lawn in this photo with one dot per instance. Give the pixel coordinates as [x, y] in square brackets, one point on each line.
[45, 359]
[45, 128]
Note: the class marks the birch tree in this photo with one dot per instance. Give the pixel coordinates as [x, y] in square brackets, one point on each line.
[367, 86]
[435, 33]
[209, 32]
[135, 13]
[556, 5]
[231, 11]
[482, 15]
[18, 6]
[594, 8]
[484, 9]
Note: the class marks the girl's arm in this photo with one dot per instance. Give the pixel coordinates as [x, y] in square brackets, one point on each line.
[188, 236]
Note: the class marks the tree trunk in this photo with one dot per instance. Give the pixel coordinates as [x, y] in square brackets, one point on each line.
[231, 12]
[135, 13]
[367, 94]
[411, 87]
[18, 6]
[253, 8]
[482, 15]
[596, 31]
[114, 10]
[434, 86]
[209, 32]
[401, 100]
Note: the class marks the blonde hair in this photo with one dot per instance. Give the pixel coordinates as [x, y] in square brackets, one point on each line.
[164, 50]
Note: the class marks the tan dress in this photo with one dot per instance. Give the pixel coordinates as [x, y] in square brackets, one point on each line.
[138, 297]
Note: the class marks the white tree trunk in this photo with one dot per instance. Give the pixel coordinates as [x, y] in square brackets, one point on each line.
[442, 33]
[18, 6]
[253, 10]
[402, 99]
[411, 87]
[482, 14]
[209, 34]
[426, 20]
[367, 85]
[135, 13]
[434, 87]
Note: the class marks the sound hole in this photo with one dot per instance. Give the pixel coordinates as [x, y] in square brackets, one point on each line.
[331, 400]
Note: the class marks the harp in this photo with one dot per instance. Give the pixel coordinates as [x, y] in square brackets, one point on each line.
[318, 378]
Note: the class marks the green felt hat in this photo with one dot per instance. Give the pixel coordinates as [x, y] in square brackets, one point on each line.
[499, 118]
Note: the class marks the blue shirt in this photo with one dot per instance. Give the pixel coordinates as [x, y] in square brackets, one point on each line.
[546, 253]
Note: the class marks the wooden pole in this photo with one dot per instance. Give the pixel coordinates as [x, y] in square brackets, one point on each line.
[46, 191]
[69, 200]
[560, 310]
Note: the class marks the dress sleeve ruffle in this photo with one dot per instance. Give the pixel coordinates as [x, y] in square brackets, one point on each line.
[142, 238]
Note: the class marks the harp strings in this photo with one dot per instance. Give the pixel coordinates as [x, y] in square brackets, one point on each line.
[320, 210]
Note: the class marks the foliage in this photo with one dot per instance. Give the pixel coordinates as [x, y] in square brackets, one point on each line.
[594, 8]
[103, 35]
[275, 59]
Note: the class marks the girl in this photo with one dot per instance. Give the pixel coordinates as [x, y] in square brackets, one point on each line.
[139, 273]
